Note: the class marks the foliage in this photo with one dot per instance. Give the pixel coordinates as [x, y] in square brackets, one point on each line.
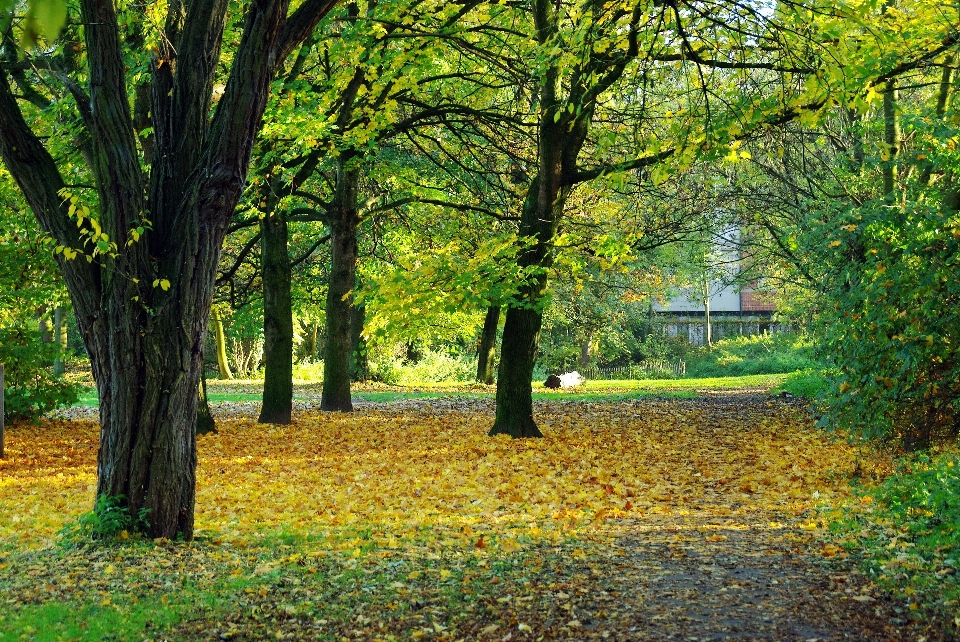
[31, 388]
[109, 519]
[810, 383]
[905, 532]
[433, 366]
[758, 354]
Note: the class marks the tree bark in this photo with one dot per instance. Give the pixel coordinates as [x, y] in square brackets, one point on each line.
[143, 309]
[338, 346]
[487, 352]
[277, 322]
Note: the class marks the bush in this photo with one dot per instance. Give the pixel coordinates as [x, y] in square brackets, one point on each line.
[30, 387]
[754, 355]
[109, 519]
[433, 367]
[809, 383]
[906, 533]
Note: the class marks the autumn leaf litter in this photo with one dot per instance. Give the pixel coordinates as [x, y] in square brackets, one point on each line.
[648, 519]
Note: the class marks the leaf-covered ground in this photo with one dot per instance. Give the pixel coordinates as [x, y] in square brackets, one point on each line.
[646, 520]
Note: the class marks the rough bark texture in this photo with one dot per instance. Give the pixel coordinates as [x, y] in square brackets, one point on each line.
[277, 322]
[338, 344]
[143, 313]
[487, 352]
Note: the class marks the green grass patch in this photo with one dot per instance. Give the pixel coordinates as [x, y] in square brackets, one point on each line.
[57, 621]
[250, 390]
[807, 383]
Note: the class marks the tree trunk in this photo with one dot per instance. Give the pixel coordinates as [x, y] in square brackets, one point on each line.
[891, 136]
[487, 352]
[277, 322]
[143, 309]
[338, 346]
[517, 355]
[223, 364]
[60, 336]
[585, 350]
[358, 370]
[312, 341]
[205, 422]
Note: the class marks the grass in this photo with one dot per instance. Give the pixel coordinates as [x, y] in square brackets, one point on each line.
[807, 383]
[249, 390]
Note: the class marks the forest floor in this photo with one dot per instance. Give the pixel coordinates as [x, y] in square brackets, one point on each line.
[637, 519]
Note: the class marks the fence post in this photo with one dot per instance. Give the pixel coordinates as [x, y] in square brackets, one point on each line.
[1, 411]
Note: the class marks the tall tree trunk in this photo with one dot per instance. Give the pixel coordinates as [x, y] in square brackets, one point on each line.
[338, 346]
[277, 322]
[891, 136]
[60, 336]
[487, 352]
[358, 368]
[223, 364]
[143, 309]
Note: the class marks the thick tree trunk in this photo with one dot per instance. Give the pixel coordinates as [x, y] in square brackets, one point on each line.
[486, 353]
[277, 322]
[143, 309]
[338, 346]
[223, 364]
[517, 355]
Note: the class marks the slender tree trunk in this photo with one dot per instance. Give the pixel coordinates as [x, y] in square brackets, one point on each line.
[223, 364]
[358, 369]
[338, 346]
[585, 350]
[60, 336]
[205, 421]
[707, 328]
[277, 322]
[312, 341]
[891, 136]
[487, 352]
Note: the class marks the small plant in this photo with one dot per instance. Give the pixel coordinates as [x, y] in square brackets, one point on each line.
[109, 519]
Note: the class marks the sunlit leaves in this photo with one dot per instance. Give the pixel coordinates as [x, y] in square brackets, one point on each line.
[424, 477]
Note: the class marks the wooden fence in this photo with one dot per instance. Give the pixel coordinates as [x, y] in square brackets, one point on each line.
[643, 370]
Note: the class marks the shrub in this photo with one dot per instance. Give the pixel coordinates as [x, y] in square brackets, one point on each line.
[109, 519]
[434, 366]
[31, 388]
[753, 355]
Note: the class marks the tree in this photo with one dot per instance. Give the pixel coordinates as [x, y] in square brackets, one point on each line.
[154, 225]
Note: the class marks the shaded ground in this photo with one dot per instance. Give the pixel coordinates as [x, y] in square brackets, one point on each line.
[712, 540]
